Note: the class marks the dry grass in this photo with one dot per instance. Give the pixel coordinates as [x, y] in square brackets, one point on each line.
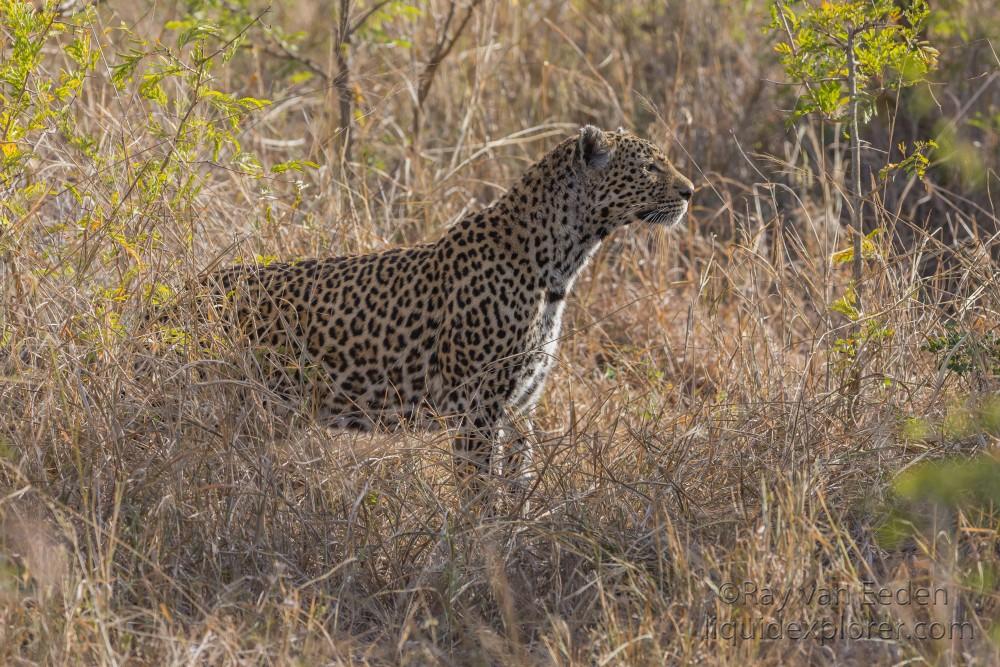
[695, 433]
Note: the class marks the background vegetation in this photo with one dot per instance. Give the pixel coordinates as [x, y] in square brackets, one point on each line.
[734, 401]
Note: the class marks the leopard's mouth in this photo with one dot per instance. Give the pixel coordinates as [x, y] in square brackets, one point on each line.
[669, 214]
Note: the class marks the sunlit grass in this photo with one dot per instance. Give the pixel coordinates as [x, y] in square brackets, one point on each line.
[698, 430]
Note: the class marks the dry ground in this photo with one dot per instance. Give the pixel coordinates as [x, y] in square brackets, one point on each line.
[696, 435]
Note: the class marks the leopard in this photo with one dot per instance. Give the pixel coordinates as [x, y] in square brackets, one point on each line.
[462, 331]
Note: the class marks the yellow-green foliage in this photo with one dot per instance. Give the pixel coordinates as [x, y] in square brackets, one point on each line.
[814, 41]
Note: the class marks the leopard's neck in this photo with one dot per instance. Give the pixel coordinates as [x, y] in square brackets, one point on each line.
[543, 219]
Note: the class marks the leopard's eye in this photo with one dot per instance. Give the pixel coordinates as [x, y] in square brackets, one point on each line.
[655, 168]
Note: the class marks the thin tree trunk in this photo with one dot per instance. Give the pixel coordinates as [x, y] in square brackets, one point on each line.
[342, 80]
[857, 221]
[855, 192]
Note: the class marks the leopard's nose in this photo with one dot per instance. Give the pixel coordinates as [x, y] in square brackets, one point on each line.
[684, 186]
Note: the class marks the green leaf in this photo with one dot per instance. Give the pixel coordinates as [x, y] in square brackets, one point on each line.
[151, 89]
[125, 70]
[847, 305]
[293, 165]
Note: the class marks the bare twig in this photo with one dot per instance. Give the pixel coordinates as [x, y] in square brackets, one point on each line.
[281, 50]
[441, 50]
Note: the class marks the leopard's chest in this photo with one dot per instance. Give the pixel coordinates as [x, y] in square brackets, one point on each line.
[539, 354]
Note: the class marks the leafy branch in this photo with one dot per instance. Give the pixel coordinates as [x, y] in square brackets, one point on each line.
[840, 51]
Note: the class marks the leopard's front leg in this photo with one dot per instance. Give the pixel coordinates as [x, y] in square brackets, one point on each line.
[518, 452]
[473, 448]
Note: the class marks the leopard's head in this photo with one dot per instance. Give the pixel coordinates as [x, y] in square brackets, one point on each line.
[625, 178]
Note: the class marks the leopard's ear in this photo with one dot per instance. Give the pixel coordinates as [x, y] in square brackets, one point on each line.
[593, 147]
